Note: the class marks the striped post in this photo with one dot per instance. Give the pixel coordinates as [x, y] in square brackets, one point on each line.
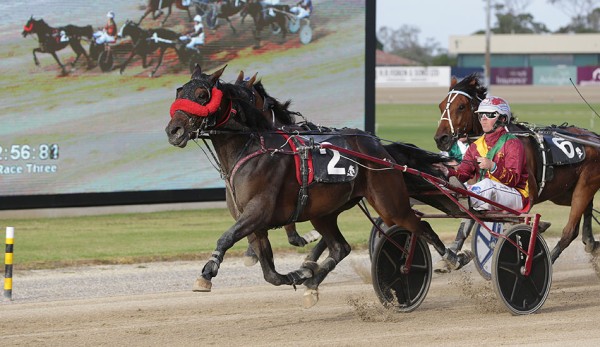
[8, 262]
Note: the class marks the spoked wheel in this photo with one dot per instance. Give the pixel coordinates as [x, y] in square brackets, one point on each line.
[482, 245]
[275, 28]
[394, 287]
[305, 34]
[521, 294]
[105, 61]
[95, 50]
[293, 24]
[375, 235]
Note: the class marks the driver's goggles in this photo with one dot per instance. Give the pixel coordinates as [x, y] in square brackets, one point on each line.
[488, 115]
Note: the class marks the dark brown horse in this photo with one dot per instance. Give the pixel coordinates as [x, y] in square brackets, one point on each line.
[146, 42]
[153, 5]
[264, 189]
[266, 16]
[52, 40]
[572, 185]
[211, 11]
[279, 116]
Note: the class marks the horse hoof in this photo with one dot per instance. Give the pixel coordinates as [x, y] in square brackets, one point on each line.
[311, 236]
[202, 285]
[250, 261]
[592, 246]
[311, 297]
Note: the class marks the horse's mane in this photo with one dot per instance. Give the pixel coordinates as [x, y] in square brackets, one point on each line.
[472, 86]
[281, 111]
[247, 113]
[42, 25]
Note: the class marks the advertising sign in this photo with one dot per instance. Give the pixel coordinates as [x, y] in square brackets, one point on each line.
[587, 75]
[511, 75]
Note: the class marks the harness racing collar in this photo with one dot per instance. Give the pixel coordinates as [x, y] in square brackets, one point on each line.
[195, 108]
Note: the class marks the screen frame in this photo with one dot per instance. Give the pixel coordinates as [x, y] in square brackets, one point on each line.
[191, 195]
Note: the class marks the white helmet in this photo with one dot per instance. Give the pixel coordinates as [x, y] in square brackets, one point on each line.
[110, 14]
[198, 18]
[495, 104]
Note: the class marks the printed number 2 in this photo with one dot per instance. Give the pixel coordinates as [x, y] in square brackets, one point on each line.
[331, 169]
[565, 146]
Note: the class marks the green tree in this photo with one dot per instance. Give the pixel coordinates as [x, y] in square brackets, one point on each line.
[584, 14]
[405, 42]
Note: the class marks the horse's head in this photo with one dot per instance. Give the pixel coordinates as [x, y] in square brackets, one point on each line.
[29, 27]
[129, 28]
[458, 111]
[196, 107]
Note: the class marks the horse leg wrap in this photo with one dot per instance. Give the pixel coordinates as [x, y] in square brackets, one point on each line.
[457, 261]
[463, 232]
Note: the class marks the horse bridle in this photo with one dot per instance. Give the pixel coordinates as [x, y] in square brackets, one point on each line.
[447, 116]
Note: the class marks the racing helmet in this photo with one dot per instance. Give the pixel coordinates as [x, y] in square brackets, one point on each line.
[198, 18]
[110, 14]
[494, 104]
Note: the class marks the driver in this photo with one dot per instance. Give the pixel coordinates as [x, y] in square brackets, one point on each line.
[303, 9]
[197, 36]
[109, 32]
[496, 160]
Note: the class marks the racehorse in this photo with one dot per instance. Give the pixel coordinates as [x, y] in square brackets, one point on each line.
[223, 10]
[279, 115]
[153, 5]
[267, 190]
[572, 185]
[270, 15]
[54, 39]
[148, 41]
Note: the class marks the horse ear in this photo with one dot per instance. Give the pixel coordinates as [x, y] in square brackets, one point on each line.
[251, 81]
[240, 77]
[453, 81]
[216, 75]
[197, 74]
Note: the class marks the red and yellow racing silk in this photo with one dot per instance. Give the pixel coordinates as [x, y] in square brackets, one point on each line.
[510, 159]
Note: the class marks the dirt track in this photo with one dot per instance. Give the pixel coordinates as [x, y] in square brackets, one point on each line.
[461, 308]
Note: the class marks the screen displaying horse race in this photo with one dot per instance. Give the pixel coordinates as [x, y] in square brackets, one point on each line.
[87, 87]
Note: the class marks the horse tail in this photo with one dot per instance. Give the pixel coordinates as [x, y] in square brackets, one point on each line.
[77, 31]
[415, 157]
[88, 31]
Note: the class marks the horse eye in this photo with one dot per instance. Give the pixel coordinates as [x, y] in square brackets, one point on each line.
[201, 94]
[461, 107]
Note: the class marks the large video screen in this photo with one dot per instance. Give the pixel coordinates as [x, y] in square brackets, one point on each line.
[93, 132]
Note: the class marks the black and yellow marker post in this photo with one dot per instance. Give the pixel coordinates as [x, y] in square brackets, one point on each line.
[8, 262]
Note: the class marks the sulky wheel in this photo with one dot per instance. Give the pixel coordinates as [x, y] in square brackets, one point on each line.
[293, 24]
[105, 61]
[482, 245]
[394, 287]
[275, 29]
[95, 50]
[305, 34]
[375, 235]
[521, 294]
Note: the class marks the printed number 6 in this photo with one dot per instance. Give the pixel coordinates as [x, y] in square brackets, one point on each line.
[565, 146]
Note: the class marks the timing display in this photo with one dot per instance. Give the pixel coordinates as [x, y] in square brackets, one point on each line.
[19, 159]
